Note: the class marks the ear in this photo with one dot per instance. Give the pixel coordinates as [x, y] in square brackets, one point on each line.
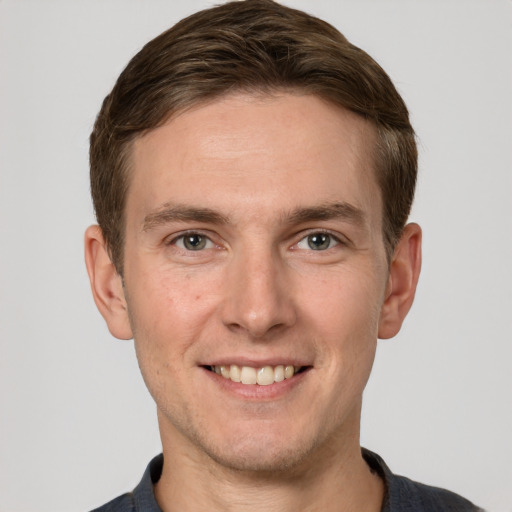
[106, 284]
[404, 272]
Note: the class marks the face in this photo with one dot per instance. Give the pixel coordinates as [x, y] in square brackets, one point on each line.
[255, 276]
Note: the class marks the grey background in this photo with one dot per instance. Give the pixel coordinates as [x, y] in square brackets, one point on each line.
[77, 426]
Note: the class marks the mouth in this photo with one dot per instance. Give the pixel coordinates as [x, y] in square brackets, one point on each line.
[262, 376]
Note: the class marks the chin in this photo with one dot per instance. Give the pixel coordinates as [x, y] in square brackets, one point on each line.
[257, 460]
[259, 452]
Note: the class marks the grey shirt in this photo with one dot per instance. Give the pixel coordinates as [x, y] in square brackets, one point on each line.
[402, 494]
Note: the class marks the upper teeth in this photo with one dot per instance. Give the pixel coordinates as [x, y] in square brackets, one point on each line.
[262, 376]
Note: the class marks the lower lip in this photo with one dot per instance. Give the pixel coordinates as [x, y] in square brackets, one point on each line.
[255, 391]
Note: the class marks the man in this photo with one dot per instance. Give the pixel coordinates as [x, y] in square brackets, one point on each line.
[252, 173]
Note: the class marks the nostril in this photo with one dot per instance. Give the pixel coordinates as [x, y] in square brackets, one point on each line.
[257, 331]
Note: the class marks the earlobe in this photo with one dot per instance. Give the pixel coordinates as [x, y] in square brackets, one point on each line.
[106, 284]
[403, 278]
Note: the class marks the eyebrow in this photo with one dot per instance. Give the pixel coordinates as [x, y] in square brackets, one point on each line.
[328, 211]
[176, 212]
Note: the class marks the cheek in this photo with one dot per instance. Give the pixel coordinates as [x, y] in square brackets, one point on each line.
[344, 302]
[166, 311]
[346, 315]
[172, 312]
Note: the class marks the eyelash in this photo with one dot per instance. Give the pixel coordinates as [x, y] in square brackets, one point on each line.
[176, 239]
[208, 240]
[333, 240]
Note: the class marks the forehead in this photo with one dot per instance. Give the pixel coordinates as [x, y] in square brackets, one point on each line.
[255, 152]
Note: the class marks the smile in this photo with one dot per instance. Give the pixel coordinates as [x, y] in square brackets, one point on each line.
[263, 376]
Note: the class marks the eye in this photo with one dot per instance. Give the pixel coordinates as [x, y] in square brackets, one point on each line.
[193, 242]
[318, 241]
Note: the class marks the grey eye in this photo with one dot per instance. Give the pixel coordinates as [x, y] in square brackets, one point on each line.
[318, 241]
[193, 242]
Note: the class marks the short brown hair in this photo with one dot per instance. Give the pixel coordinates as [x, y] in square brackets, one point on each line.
[250, 46]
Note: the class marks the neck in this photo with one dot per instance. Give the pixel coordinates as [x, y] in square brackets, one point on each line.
[334, 478]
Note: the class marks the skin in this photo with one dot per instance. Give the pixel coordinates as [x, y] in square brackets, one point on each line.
[254, 179]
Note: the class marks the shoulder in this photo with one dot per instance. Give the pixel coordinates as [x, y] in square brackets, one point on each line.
[124, 503]
[142, 498]
[405, 495]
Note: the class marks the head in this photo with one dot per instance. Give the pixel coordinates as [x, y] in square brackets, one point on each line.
[257, 47]
[252, 173]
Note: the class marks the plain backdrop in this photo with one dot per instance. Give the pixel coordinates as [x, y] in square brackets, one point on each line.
[77, 426]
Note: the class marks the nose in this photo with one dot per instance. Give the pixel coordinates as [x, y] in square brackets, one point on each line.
[258, 294]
